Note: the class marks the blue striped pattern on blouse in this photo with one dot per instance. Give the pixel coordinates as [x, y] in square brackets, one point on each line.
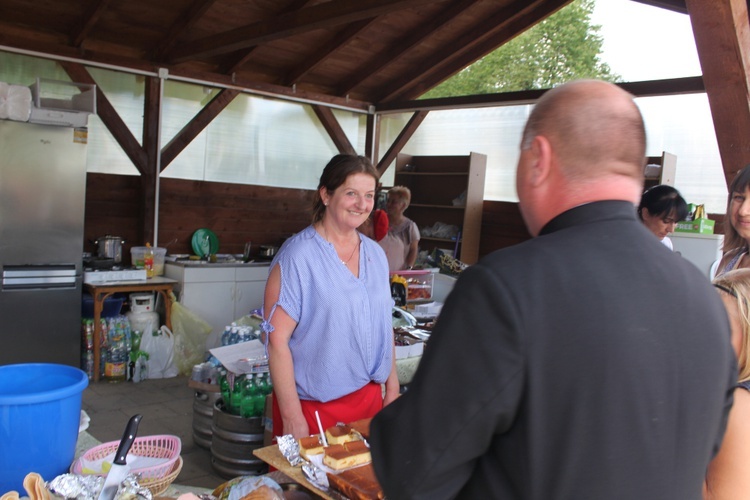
[344, 334]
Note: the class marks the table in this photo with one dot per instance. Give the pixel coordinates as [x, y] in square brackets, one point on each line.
[100, 291]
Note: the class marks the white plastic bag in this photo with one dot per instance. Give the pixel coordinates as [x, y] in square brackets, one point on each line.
[160, 349]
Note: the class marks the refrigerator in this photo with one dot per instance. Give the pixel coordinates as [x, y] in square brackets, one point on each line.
[703, 250]
[42, 197]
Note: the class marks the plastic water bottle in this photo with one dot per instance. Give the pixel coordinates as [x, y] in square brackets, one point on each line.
[248, 391]
[115, 365]
[224, 388]
[236, 396]
[234, 335]
[225, 335]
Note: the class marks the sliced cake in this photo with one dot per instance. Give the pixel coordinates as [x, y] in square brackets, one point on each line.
[309, 446]
[344, 456]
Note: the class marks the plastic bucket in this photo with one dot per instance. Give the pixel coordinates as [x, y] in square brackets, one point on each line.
[40, 413]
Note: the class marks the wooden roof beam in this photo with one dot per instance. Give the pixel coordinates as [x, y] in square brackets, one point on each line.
[332, 126]
[325, 15]
[88, 21]
[195, 126]
[402, 46]
[505, 24]
[722, 37]
[183, 23]
[109, 117]
[411, 126]
[237, 60]
[322, 53]
[673, 5]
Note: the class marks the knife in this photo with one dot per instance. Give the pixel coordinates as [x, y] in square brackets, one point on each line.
[120, 468]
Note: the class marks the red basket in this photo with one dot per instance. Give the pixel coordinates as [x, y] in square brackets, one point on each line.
[159, 446]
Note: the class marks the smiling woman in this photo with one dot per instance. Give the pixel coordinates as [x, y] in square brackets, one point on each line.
[327, 310]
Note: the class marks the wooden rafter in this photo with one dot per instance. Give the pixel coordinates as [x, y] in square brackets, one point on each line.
[109, 117]
[199, 122]
[325, 15]
[673, 5]
[237, 60]
[722, 36]
[322, 53]
[670, 86]
[411, 126]
[88, 21]
[505, 24]
[332, 126]
[402, 46]
[185, 21]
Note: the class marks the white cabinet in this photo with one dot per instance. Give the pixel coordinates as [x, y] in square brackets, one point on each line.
[703, 250]
[218, 294]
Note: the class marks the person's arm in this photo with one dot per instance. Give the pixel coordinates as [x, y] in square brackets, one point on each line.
[728, 476]
[411, 255]
[392, 386]
[280, 361]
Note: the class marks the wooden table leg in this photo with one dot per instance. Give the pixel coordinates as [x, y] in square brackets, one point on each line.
[98, 306]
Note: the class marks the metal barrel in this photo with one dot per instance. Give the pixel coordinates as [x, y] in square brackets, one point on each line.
[232, 443]
[203, 416]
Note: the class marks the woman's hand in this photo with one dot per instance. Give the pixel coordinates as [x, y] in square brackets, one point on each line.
[296, 426]
[392, 387]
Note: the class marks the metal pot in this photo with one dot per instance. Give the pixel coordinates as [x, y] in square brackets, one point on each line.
[110, 247]
[267, 251]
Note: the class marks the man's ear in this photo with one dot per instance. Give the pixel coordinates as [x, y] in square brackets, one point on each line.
[541, 150]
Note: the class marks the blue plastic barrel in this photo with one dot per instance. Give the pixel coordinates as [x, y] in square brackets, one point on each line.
[40, 412]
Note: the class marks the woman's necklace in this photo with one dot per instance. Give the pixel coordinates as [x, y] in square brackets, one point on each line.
[345, 262]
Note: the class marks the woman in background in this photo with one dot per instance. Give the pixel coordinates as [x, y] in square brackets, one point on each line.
[327, 310]
[401, 244]
[660, 209]
[737, 224]
[728, 476]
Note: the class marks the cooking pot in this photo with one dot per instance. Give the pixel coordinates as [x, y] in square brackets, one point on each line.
[267, 251]
[110, 247]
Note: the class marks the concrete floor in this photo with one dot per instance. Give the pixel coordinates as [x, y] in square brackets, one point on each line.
[167, 408]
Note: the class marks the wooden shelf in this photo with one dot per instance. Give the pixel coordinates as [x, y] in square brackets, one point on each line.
[434, 182]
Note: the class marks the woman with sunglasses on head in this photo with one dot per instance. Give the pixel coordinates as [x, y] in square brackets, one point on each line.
[728, 476]
[660, 209]
[737, 224]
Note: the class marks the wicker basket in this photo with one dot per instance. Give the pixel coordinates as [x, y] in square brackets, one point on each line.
[159, 486]
[156, 478]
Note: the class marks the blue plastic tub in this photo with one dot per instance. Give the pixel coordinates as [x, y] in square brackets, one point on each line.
[40, 412]
[111, 306]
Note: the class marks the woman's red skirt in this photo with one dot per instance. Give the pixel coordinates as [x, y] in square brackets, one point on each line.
[363, 403]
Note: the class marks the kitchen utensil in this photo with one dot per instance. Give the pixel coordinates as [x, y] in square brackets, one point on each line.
[110, 247]
[246, 253]
[120, 468]
[205, 242]
[267, 251]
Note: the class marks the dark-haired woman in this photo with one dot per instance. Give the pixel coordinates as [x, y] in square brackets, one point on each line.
[737, 224]
[660, 209]
[327, 310]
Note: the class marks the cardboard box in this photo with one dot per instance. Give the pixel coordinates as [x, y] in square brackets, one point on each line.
[702, 225]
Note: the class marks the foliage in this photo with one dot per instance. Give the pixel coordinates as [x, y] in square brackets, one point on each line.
[563, 47]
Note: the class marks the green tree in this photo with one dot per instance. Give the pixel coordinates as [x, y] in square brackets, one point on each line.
[563, 47]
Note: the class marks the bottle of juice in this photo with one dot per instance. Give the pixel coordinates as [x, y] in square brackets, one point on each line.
[148, 261]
